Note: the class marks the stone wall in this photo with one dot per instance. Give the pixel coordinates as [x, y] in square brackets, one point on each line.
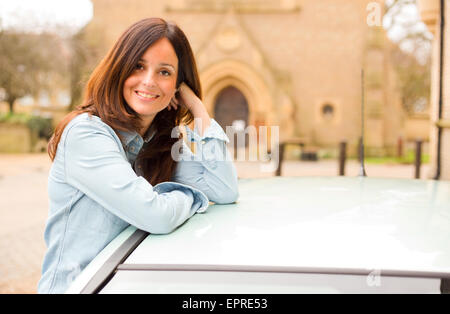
[15, 138]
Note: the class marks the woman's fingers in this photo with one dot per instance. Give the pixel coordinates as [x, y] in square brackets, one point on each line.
[173, 104]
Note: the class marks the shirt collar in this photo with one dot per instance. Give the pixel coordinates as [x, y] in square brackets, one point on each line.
[130, 136]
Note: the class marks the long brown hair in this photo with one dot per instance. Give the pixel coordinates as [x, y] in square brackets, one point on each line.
[104, 94]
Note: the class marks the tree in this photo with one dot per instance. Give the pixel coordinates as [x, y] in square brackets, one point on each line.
[28, 62]
[414, 80]
[84, 54]
[411, 53]
[394, 8]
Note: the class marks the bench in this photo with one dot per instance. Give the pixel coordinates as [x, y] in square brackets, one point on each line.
[309, 153]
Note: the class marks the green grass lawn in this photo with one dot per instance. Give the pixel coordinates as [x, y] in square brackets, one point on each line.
[408, 158]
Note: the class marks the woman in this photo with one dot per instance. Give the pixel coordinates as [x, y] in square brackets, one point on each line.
[112, 156]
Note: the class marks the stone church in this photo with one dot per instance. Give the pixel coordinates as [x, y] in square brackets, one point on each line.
[295, 64]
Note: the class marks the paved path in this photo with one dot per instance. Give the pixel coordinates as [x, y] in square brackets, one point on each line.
[24, 205]
[23, 211]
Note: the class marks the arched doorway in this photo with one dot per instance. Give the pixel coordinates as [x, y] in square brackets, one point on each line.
[231, 109]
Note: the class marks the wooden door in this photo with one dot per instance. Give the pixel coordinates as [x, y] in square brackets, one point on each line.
[231, 109]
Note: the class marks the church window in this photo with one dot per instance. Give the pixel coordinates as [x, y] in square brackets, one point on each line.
[328, 112]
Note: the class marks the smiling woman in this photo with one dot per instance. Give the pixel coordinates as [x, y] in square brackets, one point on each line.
[151, 86]
[112, 162]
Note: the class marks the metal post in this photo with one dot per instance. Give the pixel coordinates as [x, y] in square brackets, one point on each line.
[281, 157]
[360, 151]
[418, 158]
[400, 147]
[342, 157]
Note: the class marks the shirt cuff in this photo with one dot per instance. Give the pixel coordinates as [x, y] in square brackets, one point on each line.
[201, 201]
[213, 131]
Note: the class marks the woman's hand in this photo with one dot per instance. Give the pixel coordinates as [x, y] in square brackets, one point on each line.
[188, 99]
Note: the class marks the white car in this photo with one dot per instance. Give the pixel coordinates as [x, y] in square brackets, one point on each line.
[292, 235]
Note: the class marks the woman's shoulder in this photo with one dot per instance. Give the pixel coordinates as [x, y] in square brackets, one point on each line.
[85, 123]
[86, 134]
[86, 118]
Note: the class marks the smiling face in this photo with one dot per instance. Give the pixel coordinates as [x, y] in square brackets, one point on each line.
[151, 86]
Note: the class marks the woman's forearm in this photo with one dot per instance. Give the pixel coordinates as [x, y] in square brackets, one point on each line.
[202, 119]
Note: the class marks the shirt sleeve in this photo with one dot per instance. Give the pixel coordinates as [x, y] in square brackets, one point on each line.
[209, 168]
[95, 164]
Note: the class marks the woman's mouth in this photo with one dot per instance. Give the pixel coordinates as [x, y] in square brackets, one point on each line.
[146, 96]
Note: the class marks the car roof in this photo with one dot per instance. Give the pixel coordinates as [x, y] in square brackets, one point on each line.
[334, 225]
[316, 222]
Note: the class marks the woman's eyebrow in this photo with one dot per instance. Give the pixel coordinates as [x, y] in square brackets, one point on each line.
[161, 64]
[167, 65]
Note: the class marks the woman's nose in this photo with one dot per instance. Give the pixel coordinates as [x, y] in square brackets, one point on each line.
[149, 79]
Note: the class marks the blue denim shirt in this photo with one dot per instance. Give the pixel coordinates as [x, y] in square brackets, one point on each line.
[94, 193]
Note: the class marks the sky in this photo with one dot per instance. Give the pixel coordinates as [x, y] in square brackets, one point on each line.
[408, 21]
[37, 14]
[408, 15]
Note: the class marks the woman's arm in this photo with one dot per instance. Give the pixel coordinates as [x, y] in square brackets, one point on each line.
[96, 165]
[210, 169]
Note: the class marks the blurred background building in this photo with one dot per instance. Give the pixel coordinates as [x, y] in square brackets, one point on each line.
[295, 64]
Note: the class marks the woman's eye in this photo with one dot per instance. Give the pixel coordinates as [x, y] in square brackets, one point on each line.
[139, 66]
[165, 72]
